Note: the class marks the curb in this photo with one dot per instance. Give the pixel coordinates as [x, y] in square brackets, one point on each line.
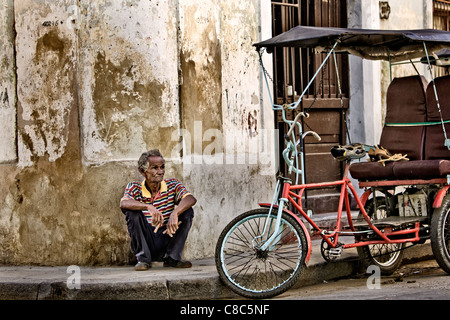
[201, 282]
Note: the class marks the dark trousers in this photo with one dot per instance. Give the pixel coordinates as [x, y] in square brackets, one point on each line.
[149, 246]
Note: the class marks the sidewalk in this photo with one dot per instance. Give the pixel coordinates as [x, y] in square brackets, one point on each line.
[159, 283]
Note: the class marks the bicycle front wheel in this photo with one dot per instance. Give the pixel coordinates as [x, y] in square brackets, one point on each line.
[255, 273]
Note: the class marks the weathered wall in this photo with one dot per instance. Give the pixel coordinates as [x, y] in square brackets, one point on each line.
[129, 77]
[86, 87]
[8, 88]
[230, 156]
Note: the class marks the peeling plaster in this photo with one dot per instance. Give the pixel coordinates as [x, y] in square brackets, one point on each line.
[46, 73]
[7, 85]
[201, 67]
[130, 76]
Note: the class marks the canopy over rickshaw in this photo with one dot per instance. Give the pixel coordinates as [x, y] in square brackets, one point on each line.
[388, 45]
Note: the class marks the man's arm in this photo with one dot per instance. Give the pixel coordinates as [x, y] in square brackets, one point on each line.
[131, 204]
[185, 203]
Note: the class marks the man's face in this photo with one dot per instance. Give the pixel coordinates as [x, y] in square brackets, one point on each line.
[155, 171]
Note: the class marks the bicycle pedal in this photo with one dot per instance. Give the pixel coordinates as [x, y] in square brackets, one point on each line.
[335, 252]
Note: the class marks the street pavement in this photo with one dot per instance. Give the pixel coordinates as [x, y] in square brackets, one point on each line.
[201, 282]
[416, 281]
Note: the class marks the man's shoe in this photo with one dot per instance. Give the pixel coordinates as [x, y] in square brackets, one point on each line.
[169, 262]
[142, 266]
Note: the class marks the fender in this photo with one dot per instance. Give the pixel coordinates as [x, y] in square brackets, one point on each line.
[365, 196]
[300, 222]
[440, 196]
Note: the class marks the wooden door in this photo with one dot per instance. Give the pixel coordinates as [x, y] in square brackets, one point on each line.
[293, 69]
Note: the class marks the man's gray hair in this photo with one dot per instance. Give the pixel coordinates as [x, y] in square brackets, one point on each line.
[143, 160]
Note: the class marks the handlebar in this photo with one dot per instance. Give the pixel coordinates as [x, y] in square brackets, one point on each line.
[288, 154]
[297, 117]
[291, 152]
[300, 114]
[291, 129]
[315, 134]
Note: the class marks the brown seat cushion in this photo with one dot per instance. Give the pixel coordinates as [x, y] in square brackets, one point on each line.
[434, 138]
[405, 103]
[371, 171]
[401, 170]
[421, 169]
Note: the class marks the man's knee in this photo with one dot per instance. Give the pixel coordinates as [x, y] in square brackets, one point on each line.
[133, 216]
[187, 215]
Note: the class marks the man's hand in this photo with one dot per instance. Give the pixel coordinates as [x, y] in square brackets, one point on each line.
[157, 217]
[172, 224]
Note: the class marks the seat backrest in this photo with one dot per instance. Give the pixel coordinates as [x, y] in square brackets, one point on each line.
[405, 104]
[434, 138]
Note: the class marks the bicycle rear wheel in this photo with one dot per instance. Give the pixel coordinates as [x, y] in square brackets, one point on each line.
[254, 273]
[387, 257]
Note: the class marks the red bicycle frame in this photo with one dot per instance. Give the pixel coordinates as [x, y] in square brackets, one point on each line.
[294, 193]
[332, 237]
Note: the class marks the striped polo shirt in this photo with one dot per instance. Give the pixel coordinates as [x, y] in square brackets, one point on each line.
[170, 194]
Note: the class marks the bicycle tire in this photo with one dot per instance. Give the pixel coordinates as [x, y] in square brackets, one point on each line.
[440, 234]
[387, 257]
[251, 272]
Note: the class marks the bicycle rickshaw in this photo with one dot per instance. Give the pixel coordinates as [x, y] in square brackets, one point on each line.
[262, 253]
